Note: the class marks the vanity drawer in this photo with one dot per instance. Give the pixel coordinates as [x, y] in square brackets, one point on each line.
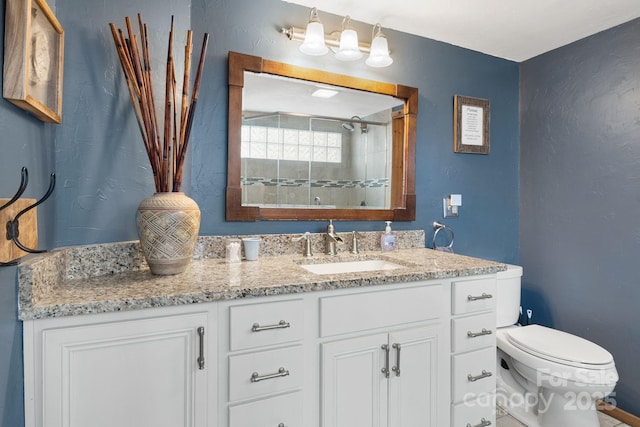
[473, 295]
[473, 332]
[256, 325]
[371, 310]
[474, 373]
[473, 413]
[280, 410]
[275, 370]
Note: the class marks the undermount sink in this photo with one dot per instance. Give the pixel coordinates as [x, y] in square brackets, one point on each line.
[351, 266]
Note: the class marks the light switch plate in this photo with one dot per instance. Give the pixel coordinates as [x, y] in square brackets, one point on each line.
[448, 210]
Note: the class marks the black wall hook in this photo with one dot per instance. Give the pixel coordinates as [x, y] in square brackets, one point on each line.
[24, 180]
[13, 226]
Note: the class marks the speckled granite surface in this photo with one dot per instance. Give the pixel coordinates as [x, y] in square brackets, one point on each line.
[114, 277]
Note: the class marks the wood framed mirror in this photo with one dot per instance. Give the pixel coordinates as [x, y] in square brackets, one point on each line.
[289, 158]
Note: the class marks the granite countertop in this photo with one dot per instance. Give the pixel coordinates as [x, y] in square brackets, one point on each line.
[49, 290]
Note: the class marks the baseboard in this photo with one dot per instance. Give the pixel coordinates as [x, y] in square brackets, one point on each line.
[619, 414]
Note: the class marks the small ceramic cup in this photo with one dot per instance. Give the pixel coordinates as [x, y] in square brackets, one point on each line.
[251, 248]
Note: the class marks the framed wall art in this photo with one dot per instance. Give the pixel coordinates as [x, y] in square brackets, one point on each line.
[471, 125]
[33, 59]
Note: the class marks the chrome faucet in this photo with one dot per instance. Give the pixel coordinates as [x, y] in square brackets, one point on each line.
[330, 240]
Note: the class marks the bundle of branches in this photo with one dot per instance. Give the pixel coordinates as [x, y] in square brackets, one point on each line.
[167, 149]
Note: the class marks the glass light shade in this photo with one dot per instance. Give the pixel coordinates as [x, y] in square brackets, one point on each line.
[349, 50]
[379, 55]
[314, 40]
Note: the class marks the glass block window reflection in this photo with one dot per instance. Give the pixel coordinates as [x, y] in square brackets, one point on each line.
[261, 142]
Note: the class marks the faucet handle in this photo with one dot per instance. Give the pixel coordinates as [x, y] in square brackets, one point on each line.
[307, 237]
[354, 242]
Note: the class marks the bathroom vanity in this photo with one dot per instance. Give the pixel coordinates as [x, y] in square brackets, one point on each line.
[260, 343]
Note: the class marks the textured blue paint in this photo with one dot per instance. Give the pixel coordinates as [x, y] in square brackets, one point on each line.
[103, 170]
[580, 198]
[25, 141]
[11, 387]
[489, 184]
[103, 167]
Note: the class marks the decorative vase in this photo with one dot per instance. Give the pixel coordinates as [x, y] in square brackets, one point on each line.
[168, 226]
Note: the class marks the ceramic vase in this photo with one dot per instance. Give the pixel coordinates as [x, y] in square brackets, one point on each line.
[168, 226]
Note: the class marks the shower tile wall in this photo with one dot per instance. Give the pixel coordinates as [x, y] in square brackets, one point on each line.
[349, 183]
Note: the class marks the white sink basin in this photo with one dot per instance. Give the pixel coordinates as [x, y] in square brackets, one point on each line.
[351, 266]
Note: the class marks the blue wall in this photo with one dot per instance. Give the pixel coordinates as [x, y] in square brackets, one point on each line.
[489, 184]
[580, 194]
[28, 142]
[103, 170]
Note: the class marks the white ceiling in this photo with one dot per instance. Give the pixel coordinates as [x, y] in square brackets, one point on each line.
[512, 29]
[269, 93]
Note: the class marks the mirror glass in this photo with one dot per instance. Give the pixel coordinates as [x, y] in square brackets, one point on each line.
[306, 145]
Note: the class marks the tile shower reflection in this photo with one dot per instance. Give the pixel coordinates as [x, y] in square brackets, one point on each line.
[290, 160]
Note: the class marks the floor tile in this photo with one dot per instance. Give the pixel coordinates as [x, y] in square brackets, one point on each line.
[607, 421]
[505, 420]
[500, 412]
[508, 421]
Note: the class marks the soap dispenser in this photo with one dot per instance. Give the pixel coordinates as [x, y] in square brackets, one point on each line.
[388, 239]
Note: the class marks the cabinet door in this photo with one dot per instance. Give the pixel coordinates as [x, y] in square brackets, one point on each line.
[138, 373]
[354, 389]
[413, 391]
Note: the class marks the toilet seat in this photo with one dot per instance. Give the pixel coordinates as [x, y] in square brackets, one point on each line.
[559, 347]
[537, 362]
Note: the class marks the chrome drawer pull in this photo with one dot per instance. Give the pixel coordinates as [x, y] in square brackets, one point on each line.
[478, 334]
[385, 370]
[281, 425]
[281, 325]
[396, 368]
[484, 374]
[483, 423]
[483, 296]
[201, 352]
[255, 377]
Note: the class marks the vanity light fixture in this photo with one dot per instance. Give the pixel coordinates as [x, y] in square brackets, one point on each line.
[349, 49]
[343, 43]
[313, 43]
[379, 55]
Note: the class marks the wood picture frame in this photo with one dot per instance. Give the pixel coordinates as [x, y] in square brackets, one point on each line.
[33, 59]
[471, 125]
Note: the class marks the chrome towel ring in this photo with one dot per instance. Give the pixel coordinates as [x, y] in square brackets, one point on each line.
[438, 227]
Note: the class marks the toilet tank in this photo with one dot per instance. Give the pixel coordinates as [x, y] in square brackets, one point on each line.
[508, 296]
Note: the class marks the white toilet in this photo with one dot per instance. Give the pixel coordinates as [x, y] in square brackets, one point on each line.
[546, 378]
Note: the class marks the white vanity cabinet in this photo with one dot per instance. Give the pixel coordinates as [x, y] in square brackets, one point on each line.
[262, 362]
[382, 379]
[473, 347]
[413, 354]
[149, 368]
[383, 373]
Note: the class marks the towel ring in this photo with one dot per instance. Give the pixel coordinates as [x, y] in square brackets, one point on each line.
[438, 227]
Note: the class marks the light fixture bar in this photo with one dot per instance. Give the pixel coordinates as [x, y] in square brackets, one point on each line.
[331, 40]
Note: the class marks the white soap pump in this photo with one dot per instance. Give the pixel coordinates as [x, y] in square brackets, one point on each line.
[388, 239]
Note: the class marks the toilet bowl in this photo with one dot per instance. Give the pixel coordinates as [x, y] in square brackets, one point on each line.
[546, 377]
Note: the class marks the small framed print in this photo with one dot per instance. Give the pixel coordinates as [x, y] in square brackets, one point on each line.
[471, 125]
[33, 59]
